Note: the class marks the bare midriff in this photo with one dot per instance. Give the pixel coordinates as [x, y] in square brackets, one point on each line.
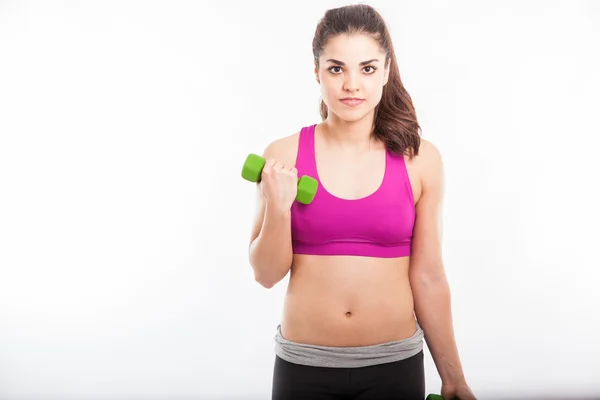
[345, 301]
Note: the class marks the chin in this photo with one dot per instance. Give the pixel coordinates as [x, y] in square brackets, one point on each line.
[352, 115]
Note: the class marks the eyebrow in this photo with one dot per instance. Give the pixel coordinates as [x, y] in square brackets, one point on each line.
[361, 63]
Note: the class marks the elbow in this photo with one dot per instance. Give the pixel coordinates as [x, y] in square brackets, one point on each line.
[428, 277]
[267, 275]
[261, 279]
[429, 282]
[265, 284]
[269, 269]
[267, 281]
[259, 276]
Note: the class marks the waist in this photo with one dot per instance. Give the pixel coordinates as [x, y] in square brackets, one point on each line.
[348, 356]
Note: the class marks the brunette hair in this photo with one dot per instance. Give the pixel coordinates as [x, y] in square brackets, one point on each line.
[395, 121]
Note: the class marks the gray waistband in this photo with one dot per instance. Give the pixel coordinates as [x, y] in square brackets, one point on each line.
[348, 357]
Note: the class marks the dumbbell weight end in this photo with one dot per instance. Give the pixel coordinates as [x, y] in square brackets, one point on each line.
[307, 189]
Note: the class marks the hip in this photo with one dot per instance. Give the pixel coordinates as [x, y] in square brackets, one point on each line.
[323, 356]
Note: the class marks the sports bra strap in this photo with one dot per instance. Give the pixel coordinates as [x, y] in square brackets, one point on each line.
[305, 160]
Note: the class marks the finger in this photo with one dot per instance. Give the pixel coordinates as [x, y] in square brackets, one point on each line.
[269, 164]
[279, 167]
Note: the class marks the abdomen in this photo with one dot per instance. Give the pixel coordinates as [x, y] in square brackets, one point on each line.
[348, 301]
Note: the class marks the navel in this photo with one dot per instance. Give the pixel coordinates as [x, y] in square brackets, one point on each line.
[348, 314]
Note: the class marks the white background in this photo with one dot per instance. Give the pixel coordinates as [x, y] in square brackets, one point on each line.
[124, 221]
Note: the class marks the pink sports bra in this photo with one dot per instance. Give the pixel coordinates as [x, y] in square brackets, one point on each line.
[378, 225]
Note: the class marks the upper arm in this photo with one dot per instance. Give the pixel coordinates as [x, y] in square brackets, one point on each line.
[284, 151]
[426, 254]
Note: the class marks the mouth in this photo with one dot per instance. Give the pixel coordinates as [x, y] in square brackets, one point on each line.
[352, 101]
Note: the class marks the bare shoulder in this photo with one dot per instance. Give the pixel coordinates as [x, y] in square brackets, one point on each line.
[427, 168]
[284, 149]
[429, 155]
[429, 163]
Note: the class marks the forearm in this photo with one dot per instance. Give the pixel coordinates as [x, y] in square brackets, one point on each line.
[271, 252]
[434, 313]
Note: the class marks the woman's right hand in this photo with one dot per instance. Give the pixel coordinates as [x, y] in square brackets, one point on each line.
[279, 185]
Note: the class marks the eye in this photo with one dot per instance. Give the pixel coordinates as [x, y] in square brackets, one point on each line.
[337, 69]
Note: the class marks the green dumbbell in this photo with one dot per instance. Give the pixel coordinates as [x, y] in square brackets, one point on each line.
[434, 397]
[252, 170]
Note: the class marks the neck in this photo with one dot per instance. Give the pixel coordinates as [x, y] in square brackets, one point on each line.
[354, 135]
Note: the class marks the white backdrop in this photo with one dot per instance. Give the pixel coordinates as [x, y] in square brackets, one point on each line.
[124, 221]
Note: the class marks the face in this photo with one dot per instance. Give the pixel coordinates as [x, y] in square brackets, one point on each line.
[352, 73]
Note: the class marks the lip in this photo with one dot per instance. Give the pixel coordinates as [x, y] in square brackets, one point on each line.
[352, 101]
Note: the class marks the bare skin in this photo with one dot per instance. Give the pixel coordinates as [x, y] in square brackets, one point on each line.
[341, 300]
[355, 301]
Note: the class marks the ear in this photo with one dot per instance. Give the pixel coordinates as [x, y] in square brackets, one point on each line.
[316, 71]
[386, 73]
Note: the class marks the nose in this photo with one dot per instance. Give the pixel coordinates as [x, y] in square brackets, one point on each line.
[350, 82]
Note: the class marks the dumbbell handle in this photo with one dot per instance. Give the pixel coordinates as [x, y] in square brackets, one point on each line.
[298, 181]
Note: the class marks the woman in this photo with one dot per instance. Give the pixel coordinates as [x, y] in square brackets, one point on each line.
[365, 256]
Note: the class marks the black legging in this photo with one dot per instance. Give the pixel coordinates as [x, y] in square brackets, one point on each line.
[400, 380]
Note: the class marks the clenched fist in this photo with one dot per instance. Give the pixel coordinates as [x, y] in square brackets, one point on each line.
[279, 185]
